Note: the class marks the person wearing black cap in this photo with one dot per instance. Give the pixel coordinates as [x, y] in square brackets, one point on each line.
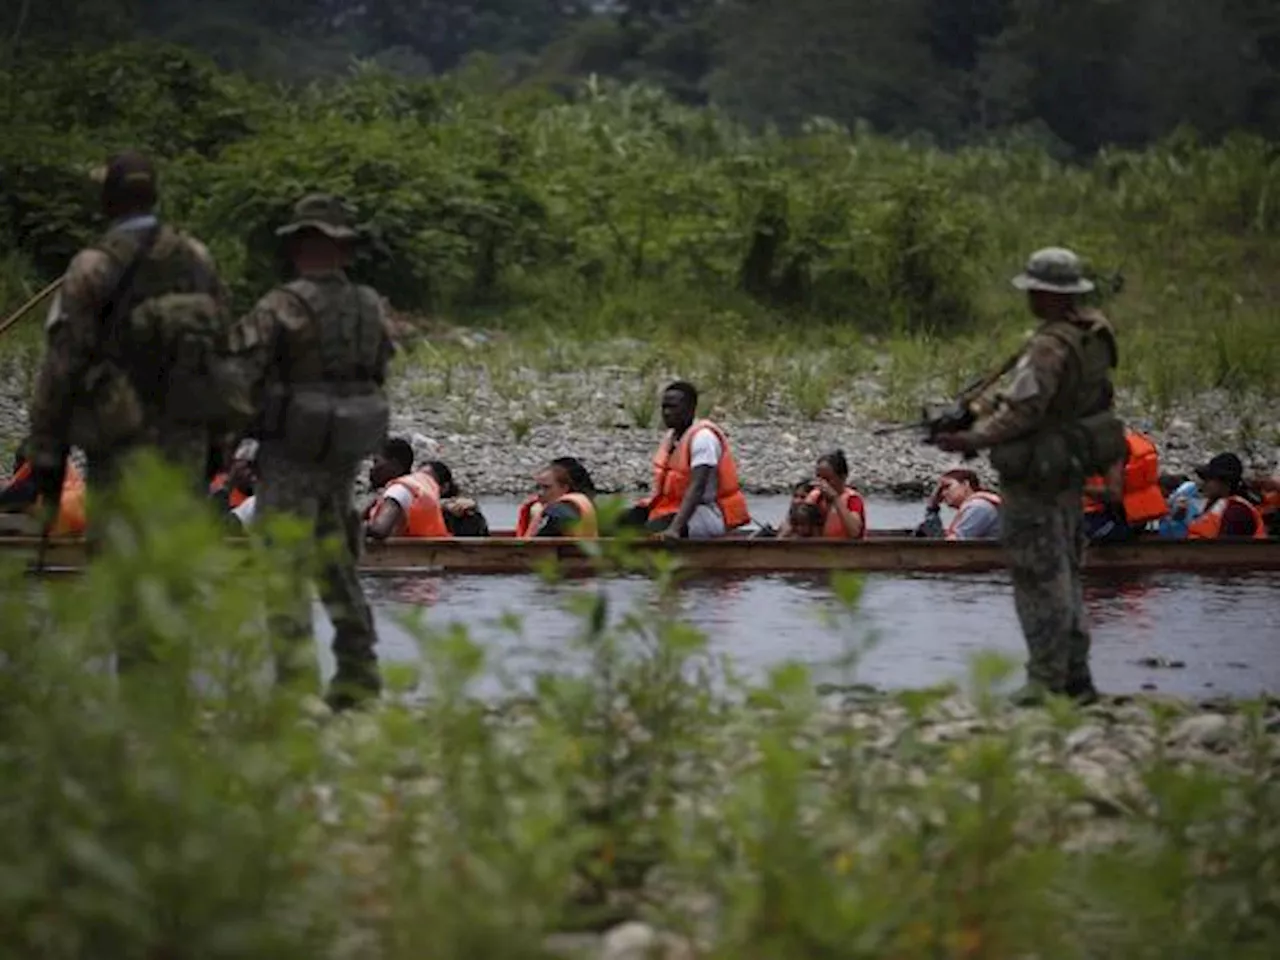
[315, 353]
[100, 387]
[1228, 511]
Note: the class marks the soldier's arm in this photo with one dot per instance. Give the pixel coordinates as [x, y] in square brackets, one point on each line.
[253, 339]
[388, 340]
[71, 338]
[216, 287]
[1020, 410]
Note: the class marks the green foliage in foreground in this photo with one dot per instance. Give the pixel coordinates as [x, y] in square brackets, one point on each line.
[620, 213]
[192, 813]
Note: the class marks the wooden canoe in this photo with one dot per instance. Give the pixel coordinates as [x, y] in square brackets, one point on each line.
[880, 554]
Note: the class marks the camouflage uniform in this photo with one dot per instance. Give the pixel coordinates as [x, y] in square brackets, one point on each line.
[75, 341]
[320, 332]
[1061, 379]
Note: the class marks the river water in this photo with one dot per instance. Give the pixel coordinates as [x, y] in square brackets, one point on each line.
[1184, 634]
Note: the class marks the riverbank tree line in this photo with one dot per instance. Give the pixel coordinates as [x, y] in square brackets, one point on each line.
[1082, 74]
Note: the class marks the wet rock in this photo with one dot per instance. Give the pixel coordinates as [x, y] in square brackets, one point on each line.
[1209, 731]
[639, 941]
[1160, 663]
[1100, 787]
[1083, 737]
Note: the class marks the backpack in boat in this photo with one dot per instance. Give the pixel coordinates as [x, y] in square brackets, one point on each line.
[165, 357]
[328, 406]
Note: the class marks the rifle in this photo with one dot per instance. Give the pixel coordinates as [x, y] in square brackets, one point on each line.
[27, 307]
[956, 415]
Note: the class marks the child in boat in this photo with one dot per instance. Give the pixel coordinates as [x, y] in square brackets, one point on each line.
[1185, 504]
[804, 522]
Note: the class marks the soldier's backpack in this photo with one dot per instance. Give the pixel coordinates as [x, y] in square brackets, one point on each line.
[164, 358]
[328, 407]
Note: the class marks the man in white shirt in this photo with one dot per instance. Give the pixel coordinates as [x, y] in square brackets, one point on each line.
[695, 491]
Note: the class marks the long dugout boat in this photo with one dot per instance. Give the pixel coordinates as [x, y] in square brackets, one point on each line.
[885, 552]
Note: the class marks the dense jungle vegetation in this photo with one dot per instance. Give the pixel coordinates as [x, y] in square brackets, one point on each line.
[727, 183]
[780, 173]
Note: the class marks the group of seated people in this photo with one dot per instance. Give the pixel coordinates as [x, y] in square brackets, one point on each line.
[695, 493]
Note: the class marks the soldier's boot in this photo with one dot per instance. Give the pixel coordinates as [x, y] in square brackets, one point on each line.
[1033, 693]
[1080, 687]
[353, 686]
[357, 682]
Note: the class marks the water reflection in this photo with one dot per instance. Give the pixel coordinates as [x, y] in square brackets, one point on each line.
[921, 629]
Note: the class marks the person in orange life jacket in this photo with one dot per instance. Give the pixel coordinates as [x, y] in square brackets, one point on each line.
[1228, 512]
[564, 504]
[804, 522]
[977, 511]
[409, 503]
[844, 515]
[695, 490]
[1267, 490]
[231, 487]
[461, 514]
[1122, 504]
[21, 496]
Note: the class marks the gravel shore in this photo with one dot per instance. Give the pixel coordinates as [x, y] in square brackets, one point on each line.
[1089, 781]
[496, 438]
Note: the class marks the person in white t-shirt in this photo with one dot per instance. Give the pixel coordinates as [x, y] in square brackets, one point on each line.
[695, 491]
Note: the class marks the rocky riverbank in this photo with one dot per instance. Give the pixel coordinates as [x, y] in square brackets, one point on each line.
[494, 444]
[1072, 785]
[496, 434]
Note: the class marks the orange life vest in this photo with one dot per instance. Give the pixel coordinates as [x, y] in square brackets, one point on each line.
[1143, 500]
[982, 495]
[832, 525]
[424, 519]
[1208, 526]
[531, 511]
[672, 473]
[528, 517]
[234, 498]
[71, 518]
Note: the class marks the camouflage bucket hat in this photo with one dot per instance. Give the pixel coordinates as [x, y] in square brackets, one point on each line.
[1054, 270]
[321, 212]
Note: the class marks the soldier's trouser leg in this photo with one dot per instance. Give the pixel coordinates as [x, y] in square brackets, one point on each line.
[289, 621]
[1042, 562]
[1078, 673]
[105, 472]
[354, 637]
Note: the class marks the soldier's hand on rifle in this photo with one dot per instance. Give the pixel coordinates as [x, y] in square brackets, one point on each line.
[962, 442]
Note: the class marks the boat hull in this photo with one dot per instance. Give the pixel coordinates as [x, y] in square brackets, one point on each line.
[884, 554]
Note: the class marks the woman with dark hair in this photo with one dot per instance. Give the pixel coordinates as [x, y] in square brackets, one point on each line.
[461, 514]
[564, 504]
[844, 515]
[977, 511]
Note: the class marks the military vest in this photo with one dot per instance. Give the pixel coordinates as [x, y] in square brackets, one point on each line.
[160, 358]
[1079, 434]
[326, 404]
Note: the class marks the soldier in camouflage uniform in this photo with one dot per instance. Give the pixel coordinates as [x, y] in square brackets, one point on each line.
[315, 352]
[1050, 429]
[85, 390]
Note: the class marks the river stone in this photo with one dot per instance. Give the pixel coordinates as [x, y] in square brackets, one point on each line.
[1209, 731]
[1082, 737]
[639, 941]
[1099, 786]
